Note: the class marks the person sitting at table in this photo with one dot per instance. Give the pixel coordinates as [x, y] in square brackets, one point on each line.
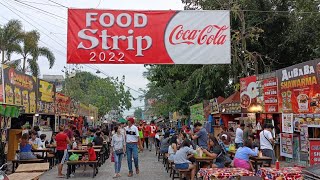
[25, 148]
[98, 140]
[44, 142]
[76, 143]
[165, 143]
[181, 158]
[172, 148]
[215, 151]
[91, 153]
[53, 141]
[255, 141]
[35, 141]
[241, 158]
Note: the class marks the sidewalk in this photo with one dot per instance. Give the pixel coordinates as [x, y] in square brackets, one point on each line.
[150, 168]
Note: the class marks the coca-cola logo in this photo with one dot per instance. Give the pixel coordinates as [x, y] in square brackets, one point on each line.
[209, 35]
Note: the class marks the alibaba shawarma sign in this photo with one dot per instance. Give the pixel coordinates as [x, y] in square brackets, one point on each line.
[20, 89]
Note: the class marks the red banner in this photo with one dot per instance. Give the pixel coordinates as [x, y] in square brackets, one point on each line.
[299, 88]
[248, 92]
[270, 91]
[148, 37]
[314, 152]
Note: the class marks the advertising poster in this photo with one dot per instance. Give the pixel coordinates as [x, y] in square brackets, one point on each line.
[287, 123]
[197, 112]
[74, 107]
[286, 145]
[299, 88]
[97, 36]
[62, 104]
[304, 143]
[270, 93]
[46, 97]
[20, 89]
[314, 152]
[248, 93]
[214, 106]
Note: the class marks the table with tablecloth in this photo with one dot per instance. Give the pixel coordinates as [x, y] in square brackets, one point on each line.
[223, 173]
[288, 173]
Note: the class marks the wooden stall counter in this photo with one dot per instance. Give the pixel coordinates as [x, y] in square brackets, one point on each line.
[14, 136]
[25, 176]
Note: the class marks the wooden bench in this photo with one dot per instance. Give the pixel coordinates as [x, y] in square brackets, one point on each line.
[25, 176]
[74, 163]
[34, 167]
[15, 163]
[180, 172]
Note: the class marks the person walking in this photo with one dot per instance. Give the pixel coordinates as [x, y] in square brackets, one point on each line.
[132, 143]
[118, 148]
[153, 131]
[146, 134]
[266, 142]
[62, 141]
[239, 136]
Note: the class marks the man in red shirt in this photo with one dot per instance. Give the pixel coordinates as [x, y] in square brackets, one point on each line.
[153, 131]
[146, 134]
[62, 141]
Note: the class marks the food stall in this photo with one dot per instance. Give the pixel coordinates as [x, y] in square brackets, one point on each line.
[46, 108]
[299, 101]
[230, 110]
[62, 109]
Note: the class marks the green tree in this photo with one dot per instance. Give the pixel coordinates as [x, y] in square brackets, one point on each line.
[138, 113]
[31, 51]
[105, 93]
[10, 37]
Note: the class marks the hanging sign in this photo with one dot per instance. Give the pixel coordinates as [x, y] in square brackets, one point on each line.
[270, 93]
[299, 88]
[46, 97]
[19, 89]
[248, 93]
[287, 123]
[314, 152]
[286, 145]
[62, 104]
[98, 36]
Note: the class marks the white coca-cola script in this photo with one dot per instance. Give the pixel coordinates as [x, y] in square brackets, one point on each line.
[209, 35]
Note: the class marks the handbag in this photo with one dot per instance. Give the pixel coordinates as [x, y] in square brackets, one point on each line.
[119, 151]
[112, 157]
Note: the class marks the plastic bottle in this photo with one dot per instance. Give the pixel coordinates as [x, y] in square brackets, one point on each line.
[277, 165]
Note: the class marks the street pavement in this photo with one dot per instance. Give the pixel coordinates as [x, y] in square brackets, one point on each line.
[150, 169]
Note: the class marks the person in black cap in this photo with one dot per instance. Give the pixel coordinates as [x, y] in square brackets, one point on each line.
[267, 141]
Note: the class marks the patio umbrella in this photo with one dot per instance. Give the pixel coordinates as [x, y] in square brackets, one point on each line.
[122, 120]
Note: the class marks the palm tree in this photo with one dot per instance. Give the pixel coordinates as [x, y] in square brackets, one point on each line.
[10, 37]
[30, 52]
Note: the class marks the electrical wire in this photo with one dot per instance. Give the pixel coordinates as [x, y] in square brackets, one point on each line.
[61, 5]
[98, 4]
[48, 13]
[34, 25]
[39, 3]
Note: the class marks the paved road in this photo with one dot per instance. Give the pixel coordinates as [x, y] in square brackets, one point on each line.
[150, 169]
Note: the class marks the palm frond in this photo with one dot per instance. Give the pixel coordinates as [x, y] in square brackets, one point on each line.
[44, 51]
[34, 67]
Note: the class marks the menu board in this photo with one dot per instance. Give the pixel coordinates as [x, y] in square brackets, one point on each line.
[309, 119]
[314, 152]
[248, 92]
[270, 93]
[299, 88]
[286, 145]
[62, 104]
[304, 143]
[46, 97]
[19, 89]
[287, 122]
[231, 108]
[197, 112]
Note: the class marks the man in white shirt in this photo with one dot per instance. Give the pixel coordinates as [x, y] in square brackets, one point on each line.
[266, 142]
[239, 136]
[132, 142]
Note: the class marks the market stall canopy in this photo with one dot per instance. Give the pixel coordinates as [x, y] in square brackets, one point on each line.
[231, 105]
[220, 99]
[122, 120]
